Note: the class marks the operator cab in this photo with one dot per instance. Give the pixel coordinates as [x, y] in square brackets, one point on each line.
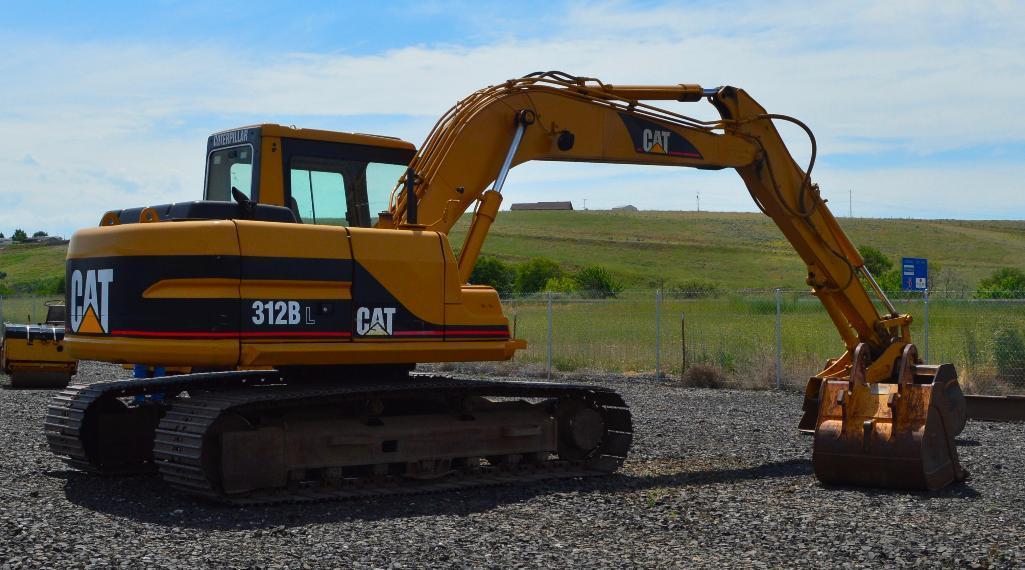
[323, 177]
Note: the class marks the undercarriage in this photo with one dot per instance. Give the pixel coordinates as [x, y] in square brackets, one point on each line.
[264, 436]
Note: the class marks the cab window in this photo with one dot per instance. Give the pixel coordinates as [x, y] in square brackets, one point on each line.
[381, 180]
[319, 197]
[340, 183]
[227, 168]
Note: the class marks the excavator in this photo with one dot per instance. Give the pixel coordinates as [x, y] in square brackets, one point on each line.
[323, 259]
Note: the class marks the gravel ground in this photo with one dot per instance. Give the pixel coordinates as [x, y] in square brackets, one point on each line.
[716, 478]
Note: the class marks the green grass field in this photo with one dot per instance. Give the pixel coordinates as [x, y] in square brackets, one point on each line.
[736, 250]
[737, 335]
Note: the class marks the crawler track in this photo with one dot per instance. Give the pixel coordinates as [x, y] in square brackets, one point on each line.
[179, 449]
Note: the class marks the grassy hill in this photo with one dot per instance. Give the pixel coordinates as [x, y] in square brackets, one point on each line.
[31, 268]
[735, 250]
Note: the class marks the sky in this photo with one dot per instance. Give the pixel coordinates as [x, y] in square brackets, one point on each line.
[107, 105]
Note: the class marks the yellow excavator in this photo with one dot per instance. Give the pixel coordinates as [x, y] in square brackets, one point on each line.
[324, 257]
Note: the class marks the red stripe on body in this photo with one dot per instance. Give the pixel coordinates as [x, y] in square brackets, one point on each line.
[259, 334]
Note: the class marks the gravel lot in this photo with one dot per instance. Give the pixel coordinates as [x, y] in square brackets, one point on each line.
[716, 478]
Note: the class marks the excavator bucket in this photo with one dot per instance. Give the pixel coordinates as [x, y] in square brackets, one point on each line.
[898, 435]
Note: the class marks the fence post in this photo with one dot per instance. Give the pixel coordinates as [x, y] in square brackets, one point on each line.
[683, 344]
[658, 334]
[779, 338]
[549, 335]
[926, 319]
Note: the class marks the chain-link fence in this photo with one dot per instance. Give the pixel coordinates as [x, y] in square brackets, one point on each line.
[753, 339]
[760, 338]
[25, 309]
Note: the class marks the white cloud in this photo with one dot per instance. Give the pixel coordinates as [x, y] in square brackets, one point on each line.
[110, 125]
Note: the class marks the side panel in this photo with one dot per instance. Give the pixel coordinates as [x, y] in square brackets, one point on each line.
[239, 292]
[398, 285]
[164, 293]
[387, 299]
[296, 283]
[471, 312]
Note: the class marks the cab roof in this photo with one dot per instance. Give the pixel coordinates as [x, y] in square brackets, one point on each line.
[273, 130]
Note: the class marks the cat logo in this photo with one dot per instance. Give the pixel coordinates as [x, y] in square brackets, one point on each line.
[649, 137]
[374, 322]
[90, 300]
[655, 141]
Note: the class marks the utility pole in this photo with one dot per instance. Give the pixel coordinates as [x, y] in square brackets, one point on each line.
[699, 201]
[585, 204]
[850, 203]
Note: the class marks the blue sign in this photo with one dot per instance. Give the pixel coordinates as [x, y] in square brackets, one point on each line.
[914, 274]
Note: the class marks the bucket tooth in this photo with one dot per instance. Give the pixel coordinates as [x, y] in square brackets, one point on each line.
[810, 410]
[897, 435]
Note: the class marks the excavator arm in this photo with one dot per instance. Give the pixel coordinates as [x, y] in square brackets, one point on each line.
[859, 403]
[557, 118]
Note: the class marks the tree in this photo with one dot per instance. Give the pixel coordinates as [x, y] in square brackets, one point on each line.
[40, 233]
[875, 261]
[532, 275]
[1, 235]
[1004, 283]
[19, 235]
[947, 281]
[597, 283]
[495, 273]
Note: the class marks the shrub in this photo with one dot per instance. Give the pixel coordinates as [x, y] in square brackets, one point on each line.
[1009, 355]
[694, 289]
[1004, 283]
[40, 233]
[703, 376]
[532, 275]
[561, 285]
[597, 283]
[495, 273]
[888, 281]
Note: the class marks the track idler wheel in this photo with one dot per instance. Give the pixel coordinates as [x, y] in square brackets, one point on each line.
[898, 435]
[581, 428]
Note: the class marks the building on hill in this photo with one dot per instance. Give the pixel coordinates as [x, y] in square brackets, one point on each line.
[626, 208]
[543, 206]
